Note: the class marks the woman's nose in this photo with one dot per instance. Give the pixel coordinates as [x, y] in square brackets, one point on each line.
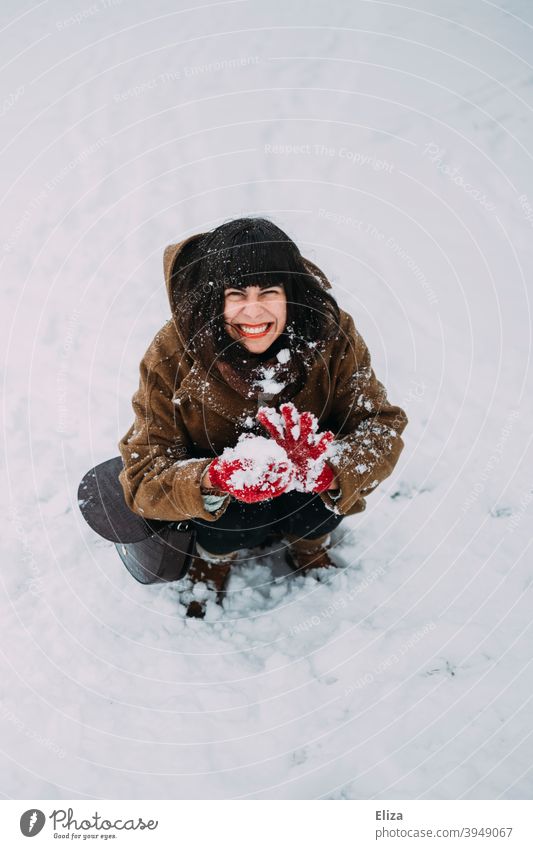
[252, 307]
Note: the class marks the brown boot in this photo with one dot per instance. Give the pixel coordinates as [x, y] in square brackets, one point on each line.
[303, 555]
[210, 569]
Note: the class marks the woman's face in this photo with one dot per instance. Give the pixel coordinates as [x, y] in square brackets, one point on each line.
[255, 317]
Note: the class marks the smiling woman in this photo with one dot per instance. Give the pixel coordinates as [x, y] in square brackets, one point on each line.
[255, 316]
[258, 412]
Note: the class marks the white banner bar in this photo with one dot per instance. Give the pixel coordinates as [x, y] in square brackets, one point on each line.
[267, 824]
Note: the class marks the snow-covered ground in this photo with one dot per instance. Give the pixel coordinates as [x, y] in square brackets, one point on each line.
[393, 143]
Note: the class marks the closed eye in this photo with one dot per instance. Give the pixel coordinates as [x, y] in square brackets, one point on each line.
[264, 292]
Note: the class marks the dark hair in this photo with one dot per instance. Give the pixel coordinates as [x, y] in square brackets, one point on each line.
[248, 252]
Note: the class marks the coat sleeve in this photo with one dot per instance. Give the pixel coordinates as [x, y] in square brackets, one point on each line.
[160, 478]
[367, 427]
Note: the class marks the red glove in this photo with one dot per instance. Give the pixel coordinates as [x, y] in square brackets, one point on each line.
[297, 434]
[255, 470]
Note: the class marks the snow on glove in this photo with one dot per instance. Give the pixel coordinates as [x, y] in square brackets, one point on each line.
[297, 434]
[255, 470]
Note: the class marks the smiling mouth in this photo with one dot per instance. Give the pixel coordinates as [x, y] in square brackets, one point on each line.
[254, 331]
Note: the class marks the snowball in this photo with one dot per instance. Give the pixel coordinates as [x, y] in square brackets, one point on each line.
[256, 454]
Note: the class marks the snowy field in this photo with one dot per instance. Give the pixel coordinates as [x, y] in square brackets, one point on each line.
[394, 144]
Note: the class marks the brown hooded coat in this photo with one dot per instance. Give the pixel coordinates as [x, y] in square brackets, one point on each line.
[185, 417]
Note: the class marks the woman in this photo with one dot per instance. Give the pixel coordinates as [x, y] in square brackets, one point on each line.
[254, 325]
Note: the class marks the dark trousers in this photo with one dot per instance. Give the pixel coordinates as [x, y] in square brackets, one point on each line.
[247, 525]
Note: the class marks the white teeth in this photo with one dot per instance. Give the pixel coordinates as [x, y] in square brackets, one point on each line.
[248, 329]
